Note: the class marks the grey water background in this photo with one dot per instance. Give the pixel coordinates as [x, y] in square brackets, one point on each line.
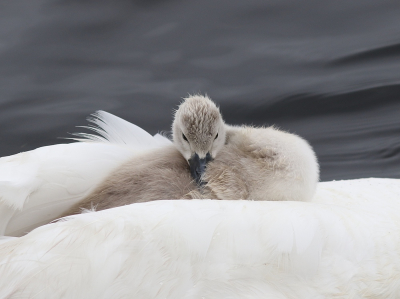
[326, 70]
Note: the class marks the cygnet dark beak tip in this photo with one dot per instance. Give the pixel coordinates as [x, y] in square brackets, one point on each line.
[198, 167]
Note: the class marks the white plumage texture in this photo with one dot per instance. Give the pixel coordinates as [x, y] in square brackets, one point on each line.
[112, 129]
[37, 186]
[344, 244]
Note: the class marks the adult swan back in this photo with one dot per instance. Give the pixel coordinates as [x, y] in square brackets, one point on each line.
[345, 243]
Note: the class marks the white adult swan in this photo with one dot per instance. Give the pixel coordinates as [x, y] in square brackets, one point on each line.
[344, 243]
[242, 163]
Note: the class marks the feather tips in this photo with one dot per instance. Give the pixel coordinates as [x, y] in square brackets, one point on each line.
[110, 128]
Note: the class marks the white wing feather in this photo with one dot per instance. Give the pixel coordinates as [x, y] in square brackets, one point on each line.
[110, 128]
[39, 185]
[345, 243]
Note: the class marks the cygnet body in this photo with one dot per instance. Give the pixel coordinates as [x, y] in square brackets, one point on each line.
[210, 159]
[246, 162]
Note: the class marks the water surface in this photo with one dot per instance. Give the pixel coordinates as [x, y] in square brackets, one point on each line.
[326, 70]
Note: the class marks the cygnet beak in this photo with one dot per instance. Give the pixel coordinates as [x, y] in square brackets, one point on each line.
[198, 167]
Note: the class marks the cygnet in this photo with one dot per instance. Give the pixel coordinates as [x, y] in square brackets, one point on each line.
[210, 159]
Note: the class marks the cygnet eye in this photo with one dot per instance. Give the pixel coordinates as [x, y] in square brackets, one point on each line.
[216, 136]
[184, 137]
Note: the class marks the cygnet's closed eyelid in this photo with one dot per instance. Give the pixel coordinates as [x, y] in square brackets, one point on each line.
[184, 137]
[216, 136]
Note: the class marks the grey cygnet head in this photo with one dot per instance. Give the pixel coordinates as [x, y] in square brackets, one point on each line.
[199, 132]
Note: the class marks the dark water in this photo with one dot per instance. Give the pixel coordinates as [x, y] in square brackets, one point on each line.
[327, 70]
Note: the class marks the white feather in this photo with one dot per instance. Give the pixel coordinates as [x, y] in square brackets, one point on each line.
[344, 244]
[39, 185]
[112, 129]
[36, 186]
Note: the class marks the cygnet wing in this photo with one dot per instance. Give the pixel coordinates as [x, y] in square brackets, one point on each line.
[113, 129]
[347, 242]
